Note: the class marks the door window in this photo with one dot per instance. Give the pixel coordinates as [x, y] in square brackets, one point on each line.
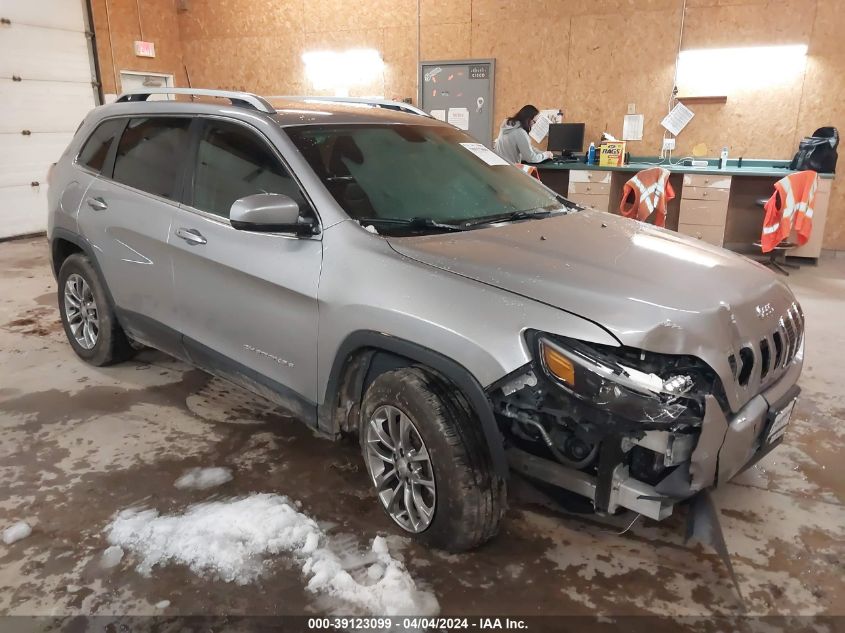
[149, 152]
[96, 148]
[232, 163]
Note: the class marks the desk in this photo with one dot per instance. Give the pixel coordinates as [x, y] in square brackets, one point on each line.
[715, 205]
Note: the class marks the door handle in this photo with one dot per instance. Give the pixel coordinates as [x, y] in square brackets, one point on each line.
[98, 204]
[191, 236]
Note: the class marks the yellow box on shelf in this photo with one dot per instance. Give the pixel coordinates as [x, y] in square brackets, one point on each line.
[612, 154]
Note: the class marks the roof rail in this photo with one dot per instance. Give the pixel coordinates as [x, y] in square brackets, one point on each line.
[388, 104]
[242, 99]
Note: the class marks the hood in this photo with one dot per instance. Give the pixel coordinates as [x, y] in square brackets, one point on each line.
[652, 288]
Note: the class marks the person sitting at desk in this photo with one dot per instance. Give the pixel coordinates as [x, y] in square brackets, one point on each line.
[513, 143]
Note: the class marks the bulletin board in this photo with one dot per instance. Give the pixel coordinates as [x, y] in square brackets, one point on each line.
[460, 92]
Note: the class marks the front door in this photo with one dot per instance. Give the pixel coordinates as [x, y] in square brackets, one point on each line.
[247, 301]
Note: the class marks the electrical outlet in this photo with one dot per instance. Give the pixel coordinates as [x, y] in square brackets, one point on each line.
[632, 108]
[668, 144]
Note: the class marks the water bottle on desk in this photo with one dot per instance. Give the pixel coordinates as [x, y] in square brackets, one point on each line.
[591, 154]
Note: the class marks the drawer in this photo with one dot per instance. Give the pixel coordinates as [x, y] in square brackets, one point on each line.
[710, 234]
[600, 202]
[713, 181]
[706, 212]
[583, 175]
[592, 188]
[704, 193]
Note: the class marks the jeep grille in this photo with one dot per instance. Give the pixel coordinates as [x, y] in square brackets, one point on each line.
[766, 360]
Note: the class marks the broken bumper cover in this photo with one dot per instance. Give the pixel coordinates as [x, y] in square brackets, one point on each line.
[724, 447]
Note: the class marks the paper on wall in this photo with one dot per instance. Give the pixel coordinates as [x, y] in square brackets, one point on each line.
[540, 128]
[484, 153]
[440, 115]
[554, 116]
[632, 128]
[677, 119]
[459, 117]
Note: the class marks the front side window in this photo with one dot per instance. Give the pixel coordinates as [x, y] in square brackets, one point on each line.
[233, 163]
[149, 154]
[412, 172]
[96, 148]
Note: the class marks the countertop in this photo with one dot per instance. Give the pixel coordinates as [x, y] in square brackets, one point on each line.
[750, 167]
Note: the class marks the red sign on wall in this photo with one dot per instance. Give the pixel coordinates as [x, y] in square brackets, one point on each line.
[145, 49]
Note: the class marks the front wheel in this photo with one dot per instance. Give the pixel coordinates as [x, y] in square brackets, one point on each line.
[426, 455]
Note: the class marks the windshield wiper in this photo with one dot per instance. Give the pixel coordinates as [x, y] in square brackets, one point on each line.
[513, 216]
[412, 223]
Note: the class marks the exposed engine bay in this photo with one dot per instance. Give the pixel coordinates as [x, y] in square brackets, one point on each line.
[612, 424]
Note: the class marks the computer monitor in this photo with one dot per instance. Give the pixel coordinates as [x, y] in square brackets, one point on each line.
[566, 138]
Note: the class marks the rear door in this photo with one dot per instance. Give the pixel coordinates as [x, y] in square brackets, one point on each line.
[127, 213]
[247, 301]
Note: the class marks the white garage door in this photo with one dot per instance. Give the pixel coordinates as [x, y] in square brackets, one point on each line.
[45, 92]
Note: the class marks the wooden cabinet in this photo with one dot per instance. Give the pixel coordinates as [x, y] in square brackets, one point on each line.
[590, 188]
[706, 212]
[704, 207]
[714, 207]
[710, 234]
[710, 181]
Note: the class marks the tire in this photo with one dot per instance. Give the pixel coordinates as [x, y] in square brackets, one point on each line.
[110, 345]
[469, 498]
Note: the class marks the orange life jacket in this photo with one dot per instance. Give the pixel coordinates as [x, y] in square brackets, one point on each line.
[647, 193]
[790, 205]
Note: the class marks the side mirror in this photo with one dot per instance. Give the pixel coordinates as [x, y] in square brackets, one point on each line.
[269, 213]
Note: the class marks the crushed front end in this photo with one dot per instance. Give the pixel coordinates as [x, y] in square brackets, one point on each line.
[632, 429]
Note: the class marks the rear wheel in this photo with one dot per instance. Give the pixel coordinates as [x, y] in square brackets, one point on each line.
[87, 316]
[426, 455]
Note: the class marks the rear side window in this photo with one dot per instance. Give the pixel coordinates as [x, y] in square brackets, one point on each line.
[233, 163]
[96, 148]
[149, 153]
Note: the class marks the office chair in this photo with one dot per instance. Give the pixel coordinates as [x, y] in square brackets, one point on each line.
[776, 258]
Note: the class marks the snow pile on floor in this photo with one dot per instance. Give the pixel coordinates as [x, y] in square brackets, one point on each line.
[111, 557]
[231, 540]
[203, 478]
[16, 532]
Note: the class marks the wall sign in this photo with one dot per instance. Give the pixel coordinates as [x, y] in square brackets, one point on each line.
[145, 49]
[480, 71]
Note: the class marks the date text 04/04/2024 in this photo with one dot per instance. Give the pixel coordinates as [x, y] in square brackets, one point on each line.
[388, 623]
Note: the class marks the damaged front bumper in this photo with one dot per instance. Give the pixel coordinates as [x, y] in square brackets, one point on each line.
[692, 460]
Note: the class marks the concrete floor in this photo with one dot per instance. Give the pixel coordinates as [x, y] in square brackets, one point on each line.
[78, 444]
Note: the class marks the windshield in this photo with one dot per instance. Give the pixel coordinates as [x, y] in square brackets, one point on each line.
[409, 173]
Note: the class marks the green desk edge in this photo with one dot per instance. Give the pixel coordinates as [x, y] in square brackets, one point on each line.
[750, 167]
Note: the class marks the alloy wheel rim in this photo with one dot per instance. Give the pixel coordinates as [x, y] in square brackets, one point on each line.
[83, 317]
[401, 469]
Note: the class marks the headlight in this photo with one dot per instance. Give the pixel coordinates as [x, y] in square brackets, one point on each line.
[609, 382]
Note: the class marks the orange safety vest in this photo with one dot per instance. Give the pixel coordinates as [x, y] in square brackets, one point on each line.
[530, 170]
[647, 193]
[790, 204]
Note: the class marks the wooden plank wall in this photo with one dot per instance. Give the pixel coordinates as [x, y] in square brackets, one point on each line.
[589, 57]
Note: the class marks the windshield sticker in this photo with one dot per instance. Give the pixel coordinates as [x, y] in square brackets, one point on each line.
[487, 155]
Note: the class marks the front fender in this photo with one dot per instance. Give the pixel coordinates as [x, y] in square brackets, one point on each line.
[372, 297]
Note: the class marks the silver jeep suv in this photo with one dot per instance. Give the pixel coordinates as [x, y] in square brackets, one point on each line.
[383, 274]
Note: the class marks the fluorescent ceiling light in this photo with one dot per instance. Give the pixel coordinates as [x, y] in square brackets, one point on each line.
[722, 71]
[338, 71]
